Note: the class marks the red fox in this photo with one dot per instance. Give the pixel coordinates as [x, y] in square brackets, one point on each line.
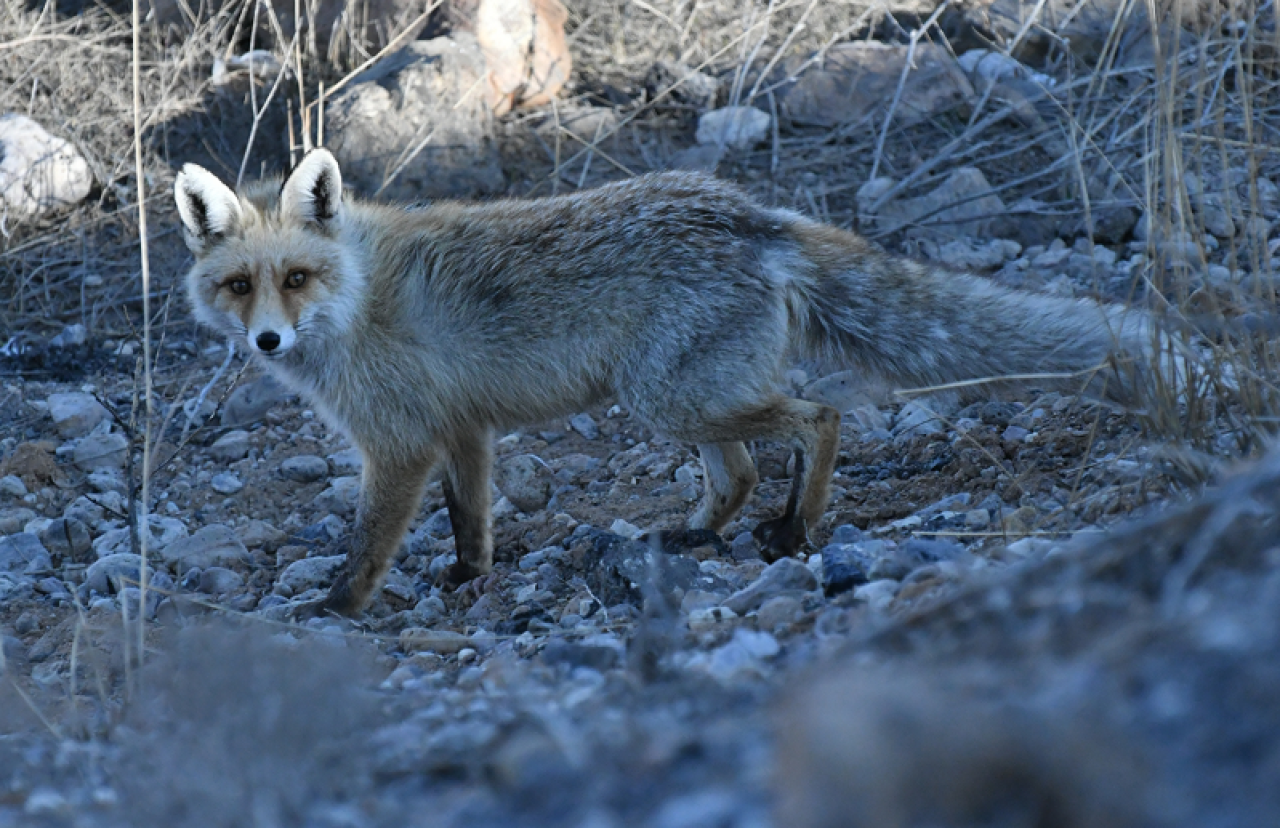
[418, 331]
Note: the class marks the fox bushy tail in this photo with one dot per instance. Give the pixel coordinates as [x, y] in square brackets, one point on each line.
[911, 323]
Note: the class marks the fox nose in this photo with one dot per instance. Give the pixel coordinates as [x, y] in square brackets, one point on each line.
[268, 341]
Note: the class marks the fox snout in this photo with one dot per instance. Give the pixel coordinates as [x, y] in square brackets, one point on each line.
[272, 341]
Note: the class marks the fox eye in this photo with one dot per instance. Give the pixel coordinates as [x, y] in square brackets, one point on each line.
[296, 279]
[240, 287]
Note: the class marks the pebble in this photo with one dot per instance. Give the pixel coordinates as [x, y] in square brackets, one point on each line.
[102, 574]
[778, 611]
[843, 568]
[226, 483]
[347, 461]
[12, 520]
[743, 655]
[780, 576]
[217, 580]
[304, 468]
[258, 534]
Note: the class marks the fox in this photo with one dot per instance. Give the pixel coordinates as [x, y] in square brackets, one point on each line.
[419, 331]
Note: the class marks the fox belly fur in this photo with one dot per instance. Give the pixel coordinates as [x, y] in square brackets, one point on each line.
[420, 331]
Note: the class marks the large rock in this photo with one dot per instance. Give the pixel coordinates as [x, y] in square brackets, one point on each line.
[75, 415]
[525, 51]
[418, 116]
[39, 173]
[23, 553]
[101, 451]
[857, 80]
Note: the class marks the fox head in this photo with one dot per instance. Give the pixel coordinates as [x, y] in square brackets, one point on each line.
[270, 264]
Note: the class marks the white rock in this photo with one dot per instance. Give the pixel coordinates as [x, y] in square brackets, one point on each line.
[626, 530]
[39, 173]
[739, 127]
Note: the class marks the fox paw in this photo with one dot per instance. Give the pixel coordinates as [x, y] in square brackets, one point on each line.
[455, 575]
[780, 538]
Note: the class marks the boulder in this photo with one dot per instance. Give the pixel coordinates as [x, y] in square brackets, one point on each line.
[414, 126]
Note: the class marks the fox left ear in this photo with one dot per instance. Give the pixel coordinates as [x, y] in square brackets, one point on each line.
[313, 192]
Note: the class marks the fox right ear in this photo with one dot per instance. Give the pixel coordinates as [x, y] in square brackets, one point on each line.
[208, 208]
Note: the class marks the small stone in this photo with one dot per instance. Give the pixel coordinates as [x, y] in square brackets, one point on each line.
[12, 486]
[915, 420]
[101, 451]
[739, 127]
[1014, 434]
[584, 425]
[439, 525]
[309, 573]
[69, 336]
[525, 481]
[68, 539]
[226, 483]
[230, 447]
[780, 576]
[304, 468]
[977, 519]
[626, 530]
[741, 656]
[701, 620]
[444, 642]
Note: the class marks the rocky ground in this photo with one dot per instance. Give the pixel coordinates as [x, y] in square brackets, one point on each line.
[945, 651]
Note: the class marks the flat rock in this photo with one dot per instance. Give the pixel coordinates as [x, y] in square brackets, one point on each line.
[213, 545]
[75, 415]
[258, 534]
[101, 451]
[104, 575]
[226, 483]
[855, 81]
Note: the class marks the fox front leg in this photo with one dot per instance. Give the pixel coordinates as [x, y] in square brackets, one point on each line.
[390, 494]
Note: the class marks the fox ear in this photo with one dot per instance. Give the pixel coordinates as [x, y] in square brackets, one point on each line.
[208, 208]
[313, 193]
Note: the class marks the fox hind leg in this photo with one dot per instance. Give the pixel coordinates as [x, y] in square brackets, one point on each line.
[813, 430]
[467, 496]
[730, 477]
